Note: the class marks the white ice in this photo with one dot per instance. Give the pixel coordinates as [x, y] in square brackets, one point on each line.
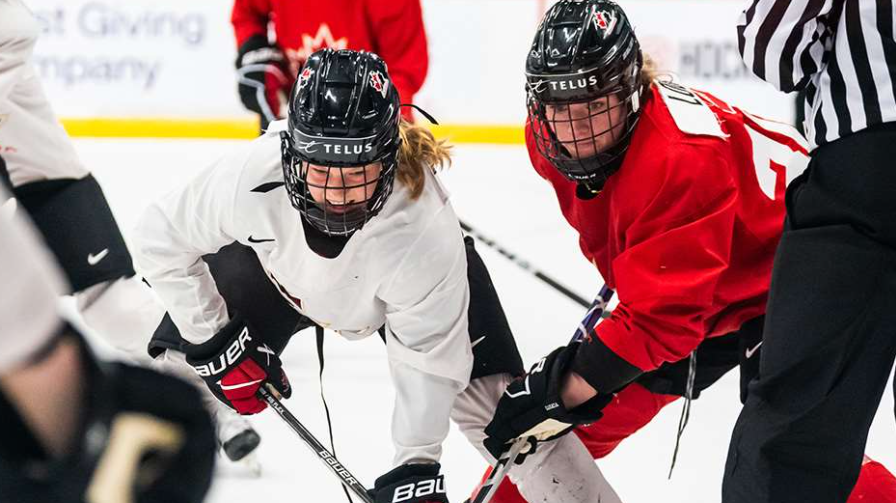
[495, 190]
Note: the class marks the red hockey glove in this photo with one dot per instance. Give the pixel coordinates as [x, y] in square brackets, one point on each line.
[234, 364]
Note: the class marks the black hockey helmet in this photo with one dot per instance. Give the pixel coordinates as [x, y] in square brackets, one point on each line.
[586, 57]
[343, 117]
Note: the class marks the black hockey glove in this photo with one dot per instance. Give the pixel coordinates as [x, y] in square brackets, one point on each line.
[531, 406]
[235, 363]
[262, 76]
[411, 483]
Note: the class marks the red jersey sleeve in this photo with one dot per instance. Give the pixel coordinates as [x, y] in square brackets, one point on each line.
[676, 248]
[250, 17]
[400, 39]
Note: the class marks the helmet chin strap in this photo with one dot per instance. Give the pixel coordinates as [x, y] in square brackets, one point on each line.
[430, 118]
[586, 191]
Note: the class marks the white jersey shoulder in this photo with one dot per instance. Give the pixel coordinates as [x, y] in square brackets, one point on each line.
[691, 115]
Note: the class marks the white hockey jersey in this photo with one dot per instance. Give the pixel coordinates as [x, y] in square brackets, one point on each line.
[406, 268]
[33, 143]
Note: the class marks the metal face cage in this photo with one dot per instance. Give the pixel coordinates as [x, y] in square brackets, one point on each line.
[583, 138]
[336, 198]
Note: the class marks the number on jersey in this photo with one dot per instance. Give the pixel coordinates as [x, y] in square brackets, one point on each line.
[777, 163]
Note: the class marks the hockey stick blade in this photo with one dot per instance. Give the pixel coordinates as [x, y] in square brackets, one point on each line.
[499, 471]
[327, 457]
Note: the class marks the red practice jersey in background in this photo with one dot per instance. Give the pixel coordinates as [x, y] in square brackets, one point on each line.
[393, 29]
[685, 232]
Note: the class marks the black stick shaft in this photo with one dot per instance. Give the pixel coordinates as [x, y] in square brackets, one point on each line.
[525, 265]
[327, 457]
[499, 471]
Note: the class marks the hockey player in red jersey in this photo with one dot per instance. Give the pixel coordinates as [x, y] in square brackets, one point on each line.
[677, 197]
[393, 29]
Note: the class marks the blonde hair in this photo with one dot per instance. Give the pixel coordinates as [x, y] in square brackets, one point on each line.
[650, 72]
[419, 151]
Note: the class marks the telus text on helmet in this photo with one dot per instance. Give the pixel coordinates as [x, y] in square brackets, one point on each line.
[311, 147]
[565, 85]
[348, 149]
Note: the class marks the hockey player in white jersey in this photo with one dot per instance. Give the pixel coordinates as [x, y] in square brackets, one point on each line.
[337, 214]
[69, 209]
[76, 429]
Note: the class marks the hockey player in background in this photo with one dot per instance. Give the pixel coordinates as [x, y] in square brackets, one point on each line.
[677, 197]
[340, 214]
[75, 429]
[267, 68]
[69, 209]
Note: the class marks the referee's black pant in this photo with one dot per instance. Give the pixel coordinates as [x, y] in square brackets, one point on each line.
[830, 330]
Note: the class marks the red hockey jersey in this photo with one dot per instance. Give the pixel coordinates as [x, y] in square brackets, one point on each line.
[393, 29]
[685, 231]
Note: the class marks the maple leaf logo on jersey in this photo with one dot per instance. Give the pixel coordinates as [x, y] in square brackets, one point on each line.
[322, 39]
[379, 83]
[305, 77]
[604, 21]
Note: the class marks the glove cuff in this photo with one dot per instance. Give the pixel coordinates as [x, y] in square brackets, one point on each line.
[209, 349]
[587, 412]
[602, 368]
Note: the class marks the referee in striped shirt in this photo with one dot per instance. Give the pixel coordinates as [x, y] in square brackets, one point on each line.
[830, 332]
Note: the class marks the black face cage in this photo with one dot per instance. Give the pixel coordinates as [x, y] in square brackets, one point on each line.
[589, 157]
[335, 214]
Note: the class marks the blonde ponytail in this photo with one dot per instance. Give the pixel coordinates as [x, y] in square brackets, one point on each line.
[419, 151]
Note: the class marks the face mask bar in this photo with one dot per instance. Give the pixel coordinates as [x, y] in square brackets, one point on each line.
[337, 200]
[581, 138]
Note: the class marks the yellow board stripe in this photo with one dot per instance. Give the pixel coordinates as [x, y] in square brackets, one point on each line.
[248, 128]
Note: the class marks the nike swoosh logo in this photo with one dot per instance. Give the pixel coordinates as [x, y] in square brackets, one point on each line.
[477, 341]
[95, 259]
[751, 351]
[240, 385]
[253, 240]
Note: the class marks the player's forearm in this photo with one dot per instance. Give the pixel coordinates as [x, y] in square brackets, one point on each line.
[247, 20]
[168, 249]
[576, 391]
[420, 421]
[18, 34]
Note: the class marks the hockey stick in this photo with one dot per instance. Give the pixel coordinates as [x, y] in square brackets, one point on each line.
[488, 488]
[525, 265]
[347, 479]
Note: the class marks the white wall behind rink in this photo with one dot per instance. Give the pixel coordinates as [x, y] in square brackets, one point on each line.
[174, 58]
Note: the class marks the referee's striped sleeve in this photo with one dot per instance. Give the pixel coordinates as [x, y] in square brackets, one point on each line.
[783, 41]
